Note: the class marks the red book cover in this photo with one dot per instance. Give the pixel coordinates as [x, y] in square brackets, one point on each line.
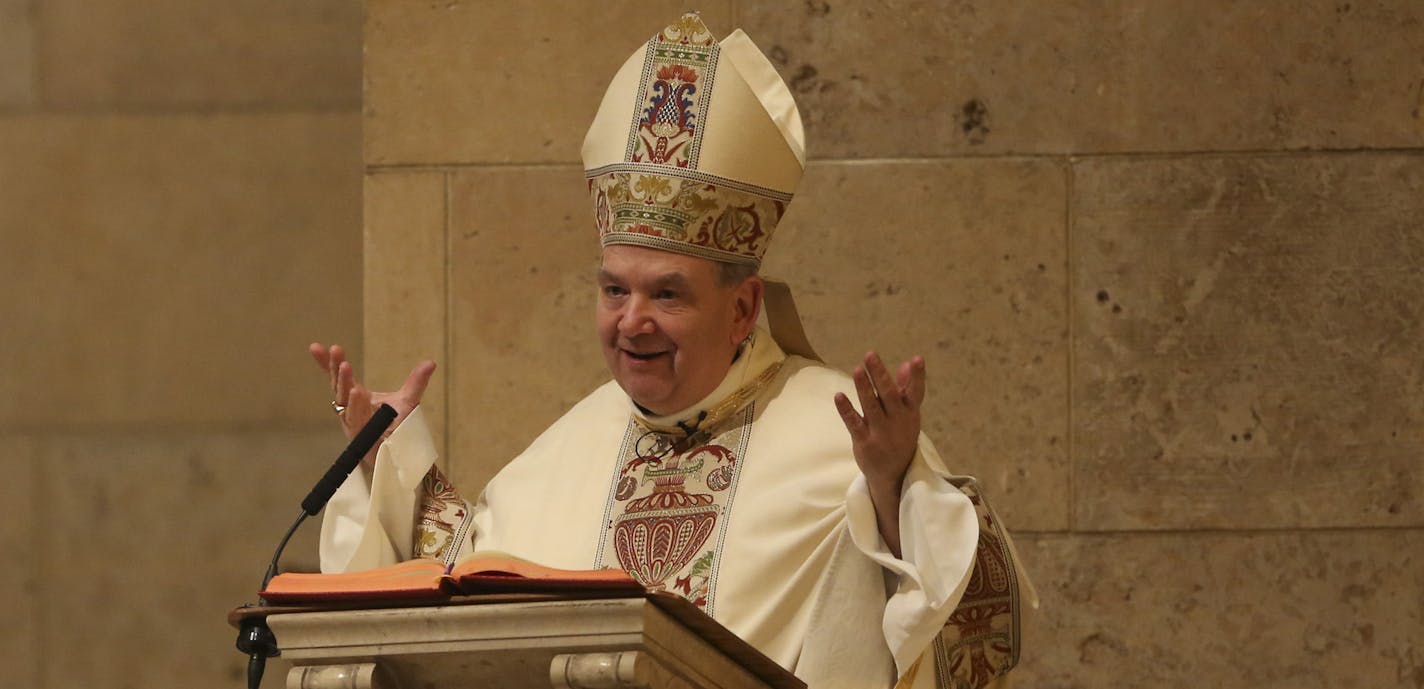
[488, 572]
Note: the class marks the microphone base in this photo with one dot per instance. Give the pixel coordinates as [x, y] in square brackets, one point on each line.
[255, 639]
[256, 665]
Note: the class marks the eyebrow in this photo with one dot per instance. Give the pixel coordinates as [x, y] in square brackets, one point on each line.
[678, 280]
[671, 279]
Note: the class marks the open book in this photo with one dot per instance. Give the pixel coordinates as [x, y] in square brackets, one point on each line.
[481, 572]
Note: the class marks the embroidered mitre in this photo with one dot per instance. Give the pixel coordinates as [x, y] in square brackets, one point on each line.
[697, 147]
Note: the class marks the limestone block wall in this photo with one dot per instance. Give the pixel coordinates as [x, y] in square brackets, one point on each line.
[1162, 258]
[179, 216]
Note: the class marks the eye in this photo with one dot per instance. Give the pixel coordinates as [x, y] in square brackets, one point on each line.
[665, 295]
[612, 291]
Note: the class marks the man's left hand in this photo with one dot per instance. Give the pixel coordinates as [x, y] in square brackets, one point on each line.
[885, 435]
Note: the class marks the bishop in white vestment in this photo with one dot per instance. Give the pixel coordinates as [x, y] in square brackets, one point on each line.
[723, 463]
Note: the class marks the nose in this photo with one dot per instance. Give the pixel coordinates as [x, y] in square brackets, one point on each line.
[637, 318]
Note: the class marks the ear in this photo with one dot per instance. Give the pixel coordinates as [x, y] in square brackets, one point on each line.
[746, 307]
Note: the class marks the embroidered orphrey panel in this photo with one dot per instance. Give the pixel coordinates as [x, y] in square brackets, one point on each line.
[980, 641]
[666, 517]
[444, 520]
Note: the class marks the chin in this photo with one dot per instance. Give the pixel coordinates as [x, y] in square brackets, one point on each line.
[646, 396]
[655, 404]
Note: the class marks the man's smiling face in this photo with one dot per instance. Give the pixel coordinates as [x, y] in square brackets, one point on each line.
[668, 328]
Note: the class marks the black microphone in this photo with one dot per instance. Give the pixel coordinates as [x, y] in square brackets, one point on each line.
[346, 463]
[254, 637]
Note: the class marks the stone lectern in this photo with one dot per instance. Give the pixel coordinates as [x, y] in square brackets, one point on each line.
[518, 642]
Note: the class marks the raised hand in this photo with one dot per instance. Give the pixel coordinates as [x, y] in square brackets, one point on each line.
[354, 403]
[884, 436]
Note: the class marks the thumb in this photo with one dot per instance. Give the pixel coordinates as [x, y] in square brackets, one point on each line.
[417, 381]
[854, 423]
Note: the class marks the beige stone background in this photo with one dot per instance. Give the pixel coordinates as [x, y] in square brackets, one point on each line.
[180, 212]
[1164, 259]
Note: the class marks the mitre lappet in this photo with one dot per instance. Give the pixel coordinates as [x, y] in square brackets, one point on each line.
[697, 149]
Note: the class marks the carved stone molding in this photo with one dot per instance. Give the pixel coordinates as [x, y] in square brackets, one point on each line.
[349, 676]
[614, 670]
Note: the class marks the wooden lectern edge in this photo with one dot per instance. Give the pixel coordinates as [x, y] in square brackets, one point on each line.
[721, 638]
[677, 607]
[237, 615]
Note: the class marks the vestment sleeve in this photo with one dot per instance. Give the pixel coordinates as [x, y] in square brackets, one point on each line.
[939, 532]
[370, 521]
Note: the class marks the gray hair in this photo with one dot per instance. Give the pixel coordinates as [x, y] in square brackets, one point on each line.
[730, 274]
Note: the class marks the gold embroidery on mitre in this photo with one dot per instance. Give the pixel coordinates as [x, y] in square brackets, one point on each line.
[658, 194]
[692, 214]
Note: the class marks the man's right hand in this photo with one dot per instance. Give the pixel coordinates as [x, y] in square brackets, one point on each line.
[360, 403]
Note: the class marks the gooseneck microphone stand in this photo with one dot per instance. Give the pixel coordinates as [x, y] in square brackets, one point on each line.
[254, 638]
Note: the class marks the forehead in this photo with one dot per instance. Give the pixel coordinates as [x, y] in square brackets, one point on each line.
[637, 262]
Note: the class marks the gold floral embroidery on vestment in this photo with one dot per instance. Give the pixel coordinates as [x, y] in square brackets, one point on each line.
[444, 519]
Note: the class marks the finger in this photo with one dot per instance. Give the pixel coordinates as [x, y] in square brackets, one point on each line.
[869, 402]
[880, 378]
[358, 410]
[853, 421]
[915, 389]
[337, 355]
[417, 381]
[360, 404]
[319, 354]
[345, 381]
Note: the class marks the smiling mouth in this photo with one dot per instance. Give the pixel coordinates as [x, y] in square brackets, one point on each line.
[643, 356]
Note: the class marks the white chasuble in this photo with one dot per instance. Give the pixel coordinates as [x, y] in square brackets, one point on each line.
[754, 510]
